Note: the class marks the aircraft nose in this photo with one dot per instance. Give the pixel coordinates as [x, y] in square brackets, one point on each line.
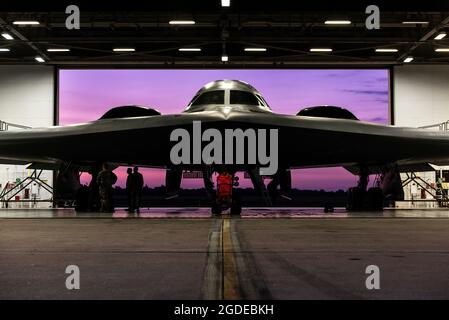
[226, 110]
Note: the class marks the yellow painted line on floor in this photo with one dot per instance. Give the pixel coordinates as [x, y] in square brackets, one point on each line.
[230, 276]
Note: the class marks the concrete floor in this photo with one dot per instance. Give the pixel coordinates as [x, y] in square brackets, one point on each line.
[314, 256]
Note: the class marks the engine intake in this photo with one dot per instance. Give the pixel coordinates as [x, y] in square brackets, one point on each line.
[129, 112]
[327, 112]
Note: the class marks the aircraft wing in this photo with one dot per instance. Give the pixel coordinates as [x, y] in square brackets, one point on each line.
[308, 142]
[304, 142]
[138, 140]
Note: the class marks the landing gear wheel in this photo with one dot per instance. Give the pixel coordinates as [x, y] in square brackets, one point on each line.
[236, 206]
[236, 209]
[375, 199]
[216, 210]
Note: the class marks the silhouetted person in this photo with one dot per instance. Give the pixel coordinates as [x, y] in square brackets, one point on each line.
[129, 189]
[94, 193]
[137, 182]
[106, 179]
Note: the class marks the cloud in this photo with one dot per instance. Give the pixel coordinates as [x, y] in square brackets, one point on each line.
[368, 92]
[343, 73]
[383, 100]
[378, 119]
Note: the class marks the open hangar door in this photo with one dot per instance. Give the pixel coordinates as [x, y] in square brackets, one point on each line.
[287, 91]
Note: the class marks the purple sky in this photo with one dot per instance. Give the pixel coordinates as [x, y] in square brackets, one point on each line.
[85, 95]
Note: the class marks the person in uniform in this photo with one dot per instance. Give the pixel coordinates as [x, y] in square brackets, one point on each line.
[129, 189]
[137, 182]
[106, 179]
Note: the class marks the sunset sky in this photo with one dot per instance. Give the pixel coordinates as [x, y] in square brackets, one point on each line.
[85, 95]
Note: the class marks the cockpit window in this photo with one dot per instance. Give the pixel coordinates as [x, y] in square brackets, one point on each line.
[211, 97]
[264, 103]
[243, 97]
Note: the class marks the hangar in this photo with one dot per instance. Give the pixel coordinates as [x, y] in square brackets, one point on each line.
[352, 99]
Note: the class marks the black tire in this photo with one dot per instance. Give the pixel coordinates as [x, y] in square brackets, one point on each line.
[328, 208]
[236, 206]
[355, 199]
[236, 209]
[216, 209]
[374, 199]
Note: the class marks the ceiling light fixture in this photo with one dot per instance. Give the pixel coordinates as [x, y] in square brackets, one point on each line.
[255, 49]
[225, 3]
[387, 50]
[408, 59]
[181, 22]
[415, 22]
[39, 59]
[123, 49]
[24, 23]
[440, 36]
[337, 22]
[190, 49]
[58, 50]
[320, 50]
[224, 58]
[442, 50]
[4, 50]
[7, 36]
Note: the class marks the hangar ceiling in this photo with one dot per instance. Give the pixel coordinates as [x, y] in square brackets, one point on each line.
[283, 33]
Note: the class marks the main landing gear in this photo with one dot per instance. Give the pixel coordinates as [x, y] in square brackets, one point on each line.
[389, 189]
[361, 198]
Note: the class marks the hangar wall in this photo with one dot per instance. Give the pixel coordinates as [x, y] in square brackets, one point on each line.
[421, 98]
[27, 99]
[421, 95]
[27, 95]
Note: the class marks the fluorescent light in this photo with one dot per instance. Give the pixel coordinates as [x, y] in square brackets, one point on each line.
[337, 22]
[39, 59]
[190, 49]
[440, 36]
[256, 49]
[415, 22]
[182, 22]
[225, 3]
[25, 22]
[58, 50]
[442, 50]
[408, 59]
[124, 49]
[224, 58]
[4, 50]
[7, 36]
[320, 50]
[386, 50]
